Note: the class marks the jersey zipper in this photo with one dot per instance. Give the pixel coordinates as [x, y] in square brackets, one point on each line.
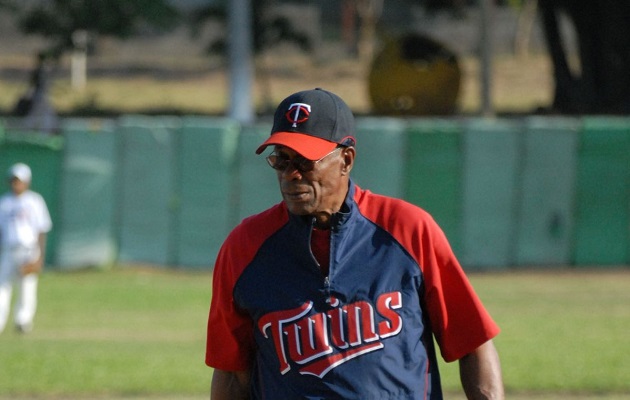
[331, 265]
[310, 246]
[327, 289]
[318, 266]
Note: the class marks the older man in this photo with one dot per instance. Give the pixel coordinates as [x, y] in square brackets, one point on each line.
[336, 292]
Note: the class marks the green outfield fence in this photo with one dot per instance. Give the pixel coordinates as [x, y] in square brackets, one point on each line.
[533, 191]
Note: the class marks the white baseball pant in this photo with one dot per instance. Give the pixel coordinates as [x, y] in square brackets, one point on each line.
[11, 259]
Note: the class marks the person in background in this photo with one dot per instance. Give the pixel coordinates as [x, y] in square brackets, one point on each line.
[34, 106]
[337, 292]
[24, 224]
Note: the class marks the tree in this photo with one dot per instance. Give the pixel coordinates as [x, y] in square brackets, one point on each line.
[75, 24]
[269, 28]
[58, 20]
[602, 84]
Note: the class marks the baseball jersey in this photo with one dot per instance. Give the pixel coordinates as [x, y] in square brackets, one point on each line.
[363, 331]
[22, 219]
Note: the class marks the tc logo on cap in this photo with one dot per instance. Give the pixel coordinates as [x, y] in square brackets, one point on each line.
[298, 113]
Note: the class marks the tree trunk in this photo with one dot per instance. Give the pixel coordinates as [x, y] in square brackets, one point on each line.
[603, 35]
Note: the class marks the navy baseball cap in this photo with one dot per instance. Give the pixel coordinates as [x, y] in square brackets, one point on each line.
[312, 123]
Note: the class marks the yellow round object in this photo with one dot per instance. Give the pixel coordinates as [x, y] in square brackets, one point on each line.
[414, 75]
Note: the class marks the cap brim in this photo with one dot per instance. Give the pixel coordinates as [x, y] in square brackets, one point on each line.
[309, 147]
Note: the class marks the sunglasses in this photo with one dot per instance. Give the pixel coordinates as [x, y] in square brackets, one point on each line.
[281, 162]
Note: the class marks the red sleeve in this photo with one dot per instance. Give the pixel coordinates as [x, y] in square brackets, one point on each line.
[458, 319]
[230, 340]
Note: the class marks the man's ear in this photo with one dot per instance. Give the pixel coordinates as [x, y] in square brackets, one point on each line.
[348, 155]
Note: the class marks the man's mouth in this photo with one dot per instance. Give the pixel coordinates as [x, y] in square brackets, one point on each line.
[295, 195]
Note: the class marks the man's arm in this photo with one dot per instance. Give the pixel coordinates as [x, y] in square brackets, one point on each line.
[480, 373]
[228, 385]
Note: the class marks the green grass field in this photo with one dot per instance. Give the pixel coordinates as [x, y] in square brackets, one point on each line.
[139, 333]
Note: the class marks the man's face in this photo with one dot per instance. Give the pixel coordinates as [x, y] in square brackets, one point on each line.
[319, 192]
[17, 186]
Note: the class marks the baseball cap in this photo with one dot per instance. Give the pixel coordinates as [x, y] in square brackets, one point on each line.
[20, 171]
[312, 123]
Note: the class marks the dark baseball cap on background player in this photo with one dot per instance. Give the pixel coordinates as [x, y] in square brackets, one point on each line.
[20, 171]
[312, 123]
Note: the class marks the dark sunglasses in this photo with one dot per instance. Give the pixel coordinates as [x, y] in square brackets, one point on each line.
[281, 162]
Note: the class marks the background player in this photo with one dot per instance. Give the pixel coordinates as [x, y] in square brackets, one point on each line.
[24, 224]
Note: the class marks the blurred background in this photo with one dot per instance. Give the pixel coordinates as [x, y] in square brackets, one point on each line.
[507, 120]
[181, 45]
[504, 119]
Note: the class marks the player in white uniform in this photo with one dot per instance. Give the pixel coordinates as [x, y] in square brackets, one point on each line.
[24, 223]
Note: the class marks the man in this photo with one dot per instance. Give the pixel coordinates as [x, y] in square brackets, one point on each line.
[24, 223]
[337, 293]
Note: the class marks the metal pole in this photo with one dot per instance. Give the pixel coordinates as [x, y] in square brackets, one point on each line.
[486, 46]
[240, 57]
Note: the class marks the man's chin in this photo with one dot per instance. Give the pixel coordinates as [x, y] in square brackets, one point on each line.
[298, 208]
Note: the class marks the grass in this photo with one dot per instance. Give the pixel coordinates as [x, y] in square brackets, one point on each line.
[122, 333]
[139, 333]
[561, 332]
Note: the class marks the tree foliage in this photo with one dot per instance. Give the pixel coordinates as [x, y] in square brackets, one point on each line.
[268, 29]
[58, 20]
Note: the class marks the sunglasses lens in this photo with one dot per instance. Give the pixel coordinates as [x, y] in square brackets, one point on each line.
[276, 162]
[282, 163]
[304, 165]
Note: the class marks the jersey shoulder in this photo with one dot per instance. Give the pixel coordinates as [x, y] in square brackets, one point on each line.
[411, 226]
[260, 226]
[6, 197]
[34, 195]
[245, 239]
[389, 212]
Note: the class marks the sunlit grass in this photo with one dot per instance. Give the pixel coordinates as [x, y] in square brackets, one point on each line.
[141, 332]
[112, 333]
[561, 332]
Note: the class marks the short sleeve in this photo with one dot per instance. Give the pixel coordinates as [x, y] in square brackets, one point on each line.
[43, 221]
[459, 320]
[230, 342]
[230, 339]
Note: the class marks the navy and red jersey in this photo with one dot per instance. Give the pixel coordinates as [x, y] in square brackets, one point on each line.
[365, 329]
